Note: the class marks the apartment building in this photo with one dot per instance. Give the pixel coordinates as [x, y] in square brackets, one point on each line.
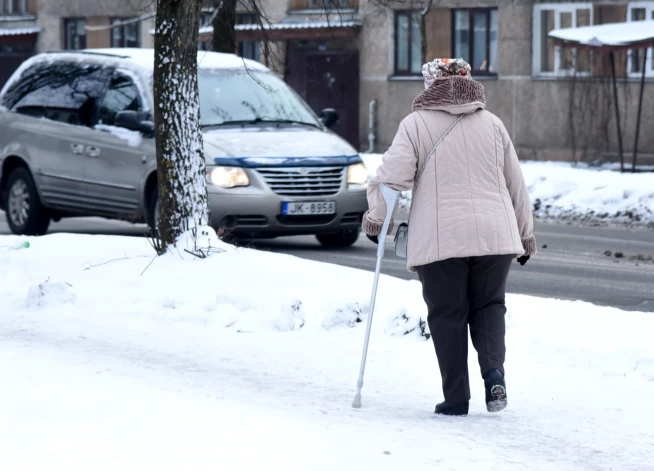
[363, 58]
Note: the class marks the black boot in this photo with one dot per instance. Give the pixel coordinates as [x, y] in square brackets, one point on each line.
[495, 390]
[459, 408]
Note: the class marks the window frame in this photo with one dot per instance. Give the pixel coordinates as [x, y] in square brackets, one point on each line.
[76, 20]
[50, 107]
[537, 35]
[121, 74]
[396, 19]
[471, 14]
[649, 64]
[123, 36]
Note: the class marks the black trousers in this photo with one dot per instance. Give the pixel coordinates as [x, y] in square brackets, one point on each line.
[461, 292]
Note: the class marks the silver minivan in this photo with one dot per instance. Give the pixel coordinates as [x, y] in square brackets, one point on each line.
[76, 139]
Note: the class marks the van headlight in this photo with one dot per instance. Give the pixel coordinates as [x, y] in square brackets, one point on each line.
[357, 174]
[227, 177]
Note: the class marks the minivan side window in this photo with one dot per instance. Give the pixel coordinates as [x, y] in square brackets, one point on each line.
[122, 95]
[61, 91]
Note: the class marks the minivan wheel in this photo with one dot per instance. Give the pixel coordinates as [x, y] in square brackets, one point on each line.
[341, 239]
[24, 211]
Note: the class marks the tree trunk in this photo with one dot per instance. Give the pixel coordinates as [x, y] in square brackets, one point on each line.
[180, 154]
[224, 33]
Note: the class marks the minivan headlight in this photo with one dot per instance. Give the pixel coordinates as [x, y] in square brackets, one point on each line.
[227, 177]
[357, 174]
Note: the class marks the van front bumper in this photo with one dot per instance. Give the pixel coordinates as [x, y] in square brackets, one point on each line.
[260, 214]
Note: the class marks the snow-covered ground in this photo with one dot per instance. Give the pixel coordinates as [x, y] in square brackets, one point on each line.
[563, 192]
[112, 359]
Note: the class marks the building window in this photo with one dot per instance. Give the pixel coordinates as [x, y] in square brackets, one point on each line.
[549, 59]
[206, 16]
[245, 19]
[640, 12]
[248, 49]
[323, 4]
[14, 7]
[75, 33]
[475, 39]
[408, 43]
[125, 35]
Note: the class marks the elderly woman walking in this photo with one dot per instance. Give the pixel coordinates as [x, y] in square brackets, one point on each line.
[470, 218]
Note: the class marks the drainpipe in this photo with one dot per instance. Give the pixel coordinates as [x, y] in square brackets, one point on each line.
[371, 126]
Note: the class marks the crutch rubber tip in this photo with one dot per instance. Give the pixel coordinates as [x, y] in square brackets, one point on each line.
[357, 402]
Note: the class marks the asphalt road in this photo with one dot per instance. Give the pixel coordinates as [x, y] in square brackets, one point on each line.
[572, 262]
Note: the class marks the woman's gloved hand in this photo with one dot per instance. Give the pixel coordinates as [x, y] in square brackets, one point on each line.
[522, 260]
[373, 238]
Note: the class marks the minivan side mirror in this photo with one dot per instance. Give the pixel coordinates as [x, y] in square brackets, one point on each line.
[136, 121]
[329, 117]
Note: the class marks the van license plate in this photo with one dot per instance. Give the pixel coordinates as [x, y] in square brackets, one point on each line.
[305, 208]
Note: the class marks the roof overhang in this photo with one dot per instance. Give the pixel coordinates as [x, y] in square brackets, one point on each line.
[18, 35]
[292, 30]
[609, 37]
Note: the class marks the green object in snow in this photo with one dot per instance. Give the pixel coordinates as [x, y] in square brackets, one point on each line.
[24, 245]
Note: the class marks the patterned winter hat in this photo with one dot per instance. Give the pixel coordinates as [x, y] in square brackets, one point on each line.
[439, 68]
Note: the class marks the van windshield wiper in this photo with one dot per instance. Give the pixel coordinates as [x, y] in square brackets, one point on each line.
[258, 120]
[286, 121]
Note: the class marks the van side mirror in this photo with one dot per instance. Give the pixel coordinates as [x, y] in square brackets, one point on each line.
[136, 121]
[329, 117]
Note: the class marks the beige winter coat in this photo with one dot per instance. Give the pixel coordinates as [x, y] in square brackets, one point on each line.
[471, 199]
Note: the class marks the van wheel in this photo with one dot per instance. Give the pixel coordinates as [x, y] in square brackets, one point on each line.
[341, 239]
[25, 213]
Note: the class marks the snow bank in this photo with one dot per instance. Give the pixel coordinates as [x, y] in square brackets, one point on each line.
[114, 358]
[290, 293]
[560, 191]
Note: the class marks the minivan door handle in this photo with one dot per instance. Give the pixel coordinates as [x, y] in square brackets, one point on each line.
[93, 151]
[77, 149]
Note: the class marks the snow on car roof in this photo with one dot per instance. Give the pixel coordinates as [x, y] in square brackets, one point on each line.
[134, 59]
[614, 34]
[206, 59]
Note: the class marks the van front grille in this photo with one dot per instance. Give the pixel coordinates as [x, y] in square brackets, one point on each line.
[304, 181]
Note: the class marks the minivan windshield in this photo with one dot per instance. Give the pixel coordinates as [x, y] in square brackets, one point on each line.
[249, 96]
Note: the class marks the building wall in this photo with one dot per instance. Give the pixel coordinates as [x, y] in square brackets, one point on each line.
[52, 14]
[536, 112]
